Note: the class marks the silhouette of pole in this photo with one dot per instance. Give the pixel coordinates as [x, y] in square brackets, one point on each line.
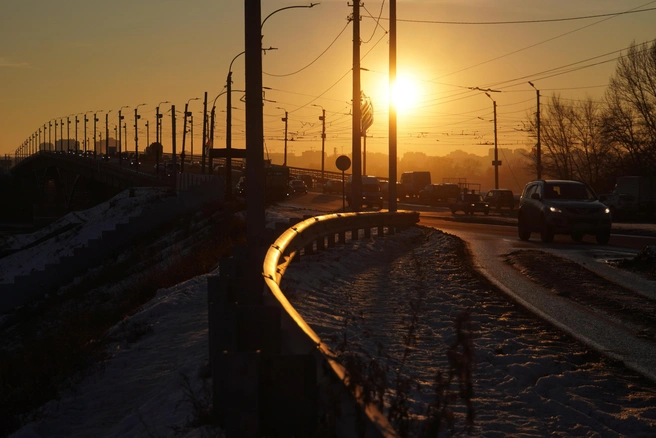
[184, 132]
[136, 136]
[49, 134]
[538, 152]
[496, 163]
[285, 119]
[391, 180]
[107, 132]
[158, 127]
[120, 151]
[174, 151]
[203, 143]
[356, 181]
[61, 134]
[323, 136]
[68, 133]
[95, 121]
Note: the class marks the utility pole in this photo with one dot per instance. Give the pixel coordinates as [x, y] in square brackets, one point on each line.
[202, 170]
[120, 142]
[284, 119]
[107, 132]
[95, 120]
[85, 133]
[191, 133]
[68, 133]
[56, 135]
[538, 158]
[147, 134]
[496, 163]
[61, 134]
[174, 150]
[322, 117]
[158, 135]
[136, 135]
[356, 174]
[184, 132]
[77, 147]
[49, 134]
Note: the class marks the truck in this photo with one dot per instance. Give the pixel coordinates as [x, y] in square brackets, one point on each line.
[643, 190]
[414, 181]
[372, 196]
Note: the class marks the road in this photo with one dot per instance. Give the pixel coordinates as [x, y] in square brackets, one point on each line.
[492, 241]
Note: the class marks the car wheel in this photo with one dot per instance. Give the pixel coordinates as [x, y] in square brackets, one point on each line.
[577, 237]
[524, 233]
[603, 237]
[487, 212]
[546, 232]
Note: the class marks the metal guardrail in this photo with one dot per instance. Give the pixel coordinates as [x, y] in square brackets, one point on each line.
[303, 237]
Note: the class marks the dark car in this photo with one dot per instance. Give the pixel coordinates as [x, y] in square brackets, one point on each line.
[562, 207]
[332, 186]
[470, 203]
[500, 198]
[297, 187]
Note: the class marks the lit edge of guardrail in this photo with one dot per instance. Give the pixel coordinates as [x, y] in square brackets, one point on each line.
[290, 242]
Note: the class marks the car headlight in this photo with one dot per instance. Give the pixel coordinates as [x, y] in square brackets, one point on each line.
[555, 210]
[607, 210]
[473, 205]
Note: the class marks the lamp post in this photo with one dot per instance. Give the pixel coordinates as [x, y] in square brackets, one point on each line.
[95, 121]
[61, 134]
[68, 133]
[158, 127]
[56, 124]
[85, 132]
[184, 132]
[77, 145]
[496, 163]
[49, 134]
[136, 135]
[107, 132]
[284, 119]
[323, 135]
[120, 143]
[538, 152]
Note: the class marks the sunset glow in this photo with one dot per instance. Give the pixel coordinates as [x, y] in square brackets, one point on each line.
[405, 94]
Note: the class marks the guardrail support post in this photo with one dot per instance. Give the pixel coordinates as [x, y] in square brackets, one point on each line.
[331, 240]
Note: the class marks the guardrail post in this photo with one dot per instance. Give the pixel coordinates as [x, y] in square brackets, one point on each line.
[331, 240]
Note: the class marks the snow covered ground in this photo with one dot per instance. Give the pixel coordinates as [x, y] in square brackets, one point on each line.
[528, 378]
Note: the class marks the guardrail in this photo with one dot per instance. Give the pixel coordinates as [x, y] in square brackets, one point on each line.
[271, 372]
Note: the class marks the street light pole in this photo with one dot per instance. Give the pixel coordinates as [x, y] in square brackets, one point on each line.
[158, 127]
[77, 144]
[68, 133]
[107, 132]
[285, 119]
[356, 173]
[538, 152]
[136, 136]
[50, 134]
[95, 120]
[61, 133]
[496, 163]
[184, 132]
[323, 136]
[120, 152]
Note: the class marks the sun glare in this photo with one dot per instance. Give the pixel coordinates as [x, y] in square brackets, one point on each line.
[404, 93]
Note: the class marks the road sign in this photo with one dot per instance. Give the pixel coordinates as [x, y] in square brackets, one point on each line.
[343, 163]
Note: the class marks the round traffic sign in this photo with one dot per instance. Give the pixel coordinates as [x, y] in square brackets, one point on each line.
[343, 163]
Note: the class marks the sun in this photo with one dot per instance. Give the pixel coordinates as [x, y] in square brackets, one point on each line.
[405, 93]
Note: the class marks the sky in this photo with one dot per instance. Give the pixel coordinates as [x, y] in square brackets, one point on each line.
[71, 57]
[528, 377]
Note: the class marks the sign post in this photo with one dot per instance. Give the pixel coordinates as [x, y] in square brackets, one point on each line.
[343, 163]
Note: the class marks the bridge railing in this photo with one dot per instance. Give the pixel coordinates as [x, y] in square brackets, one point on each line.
[248, 342]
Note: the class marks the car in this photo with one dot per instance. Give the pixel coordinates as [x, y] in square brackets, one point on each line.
[500, 198]
[571, 207]
[332, 186]
[470, 203]
[134, 162]
[297, 186]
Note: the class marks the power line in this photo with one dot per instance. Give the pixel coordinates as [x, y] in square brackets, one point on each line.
[548, 20]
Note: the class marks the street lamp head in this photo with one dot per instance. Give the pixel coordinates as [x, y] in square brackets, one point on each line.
[531, 84]
[193, 98]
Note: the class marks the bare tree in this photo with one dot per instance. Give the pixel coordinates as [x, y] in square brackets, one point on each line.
[630, 120]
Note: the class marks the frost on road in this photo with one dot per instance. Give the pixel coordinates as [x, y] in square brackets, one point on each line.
[394, 301]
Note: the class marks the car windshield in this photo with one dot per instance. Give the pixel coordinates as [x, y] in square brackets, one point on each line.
[473, 198]
[568, 191]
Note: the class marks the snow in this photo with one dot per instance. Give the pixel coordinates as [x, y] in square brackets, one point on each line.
[528, 378]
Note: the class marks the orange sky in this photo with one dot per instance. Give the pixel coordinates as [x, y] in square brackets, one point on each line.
[69, 57]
